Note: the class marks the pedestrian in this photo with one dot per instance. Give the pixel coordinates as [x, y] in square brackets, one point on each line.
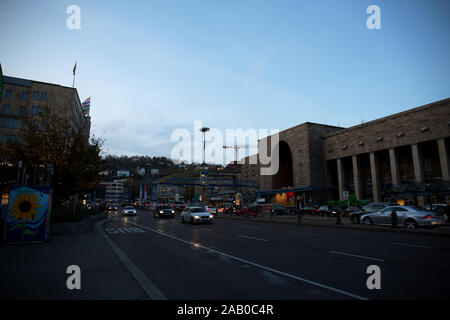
[394, 219]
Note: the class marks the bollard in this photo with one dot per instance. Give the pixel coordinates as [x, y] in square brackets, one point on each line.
[299, 218]
[338, 218]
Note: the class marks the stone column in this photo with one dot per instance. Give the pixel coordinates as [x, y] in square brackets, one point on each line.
[418, 170]
[395, 172]
[417, 161]
[376, 191]
[341, 178]
[443, 157]
[357, 177]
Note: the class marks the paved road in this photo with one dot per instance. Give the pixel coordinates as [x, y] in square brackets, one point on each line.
[250, 260]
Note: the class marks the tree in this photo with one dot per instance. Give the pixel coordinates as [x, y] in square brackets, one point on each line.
[50, 138]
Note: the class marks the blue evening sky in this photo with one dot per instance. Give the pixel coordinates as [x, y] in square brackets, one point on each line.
[153, 66]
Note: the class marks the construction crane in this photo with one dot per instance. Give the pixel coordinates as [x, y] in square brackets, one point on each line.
[236, 147]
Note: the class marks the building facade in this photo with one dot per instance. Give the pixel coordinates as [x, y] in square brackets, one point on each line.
[406, 153]
[28, 97]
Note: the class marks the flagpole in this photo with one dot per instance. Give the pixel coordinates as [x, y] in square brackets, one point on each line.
[74, 73]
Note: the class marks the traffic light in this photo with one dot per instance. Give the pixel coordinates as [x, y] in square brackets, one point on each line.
[204, 177]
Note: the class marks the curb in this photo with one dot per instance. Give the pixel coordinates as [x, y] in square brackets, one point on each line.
[344, 226]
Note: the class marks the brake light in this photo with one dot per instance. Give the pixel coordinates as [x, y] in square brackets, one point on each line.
[428, 217]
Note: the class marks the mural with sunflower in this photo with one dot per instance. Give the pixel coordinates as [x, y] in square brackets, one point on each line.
[28, 214]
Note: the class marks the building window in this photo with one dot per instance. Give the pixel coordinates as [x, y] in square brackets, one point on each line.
[43, 96]
[8, 94]
[4, 138]
[36, 109]
[36, 95]
[25, 96]
[15, 123]
[6, 122]
[6, 109]
[22, 111]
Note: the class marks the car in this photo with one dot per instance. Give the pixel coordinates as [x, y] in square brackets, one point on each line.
[408, 216]
[329, 210]
[247, 211]
[376, 206]
[355, 214]
[128, 210]
[111, 207]
[212, 210]
[196, 215]
[163, 211]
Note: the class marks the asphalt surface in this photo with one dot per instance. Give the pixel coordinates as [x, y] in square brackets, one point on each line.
[249, 260]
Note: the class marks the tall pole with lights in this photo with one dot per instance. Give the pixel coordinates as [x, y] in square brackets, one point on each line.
[204, 130]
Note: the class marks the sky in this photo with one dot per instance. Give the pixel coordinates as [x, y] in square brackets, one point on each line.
[151, 67]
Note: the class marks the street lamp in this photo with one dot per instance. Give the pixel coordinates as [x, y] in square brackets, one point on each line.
[204, 130]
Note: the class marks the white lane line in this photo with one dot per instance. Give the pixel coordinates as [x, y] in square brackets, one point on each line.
[412, 245]
[354, 255]
[253, 238]
[314, 283]
[152, 291]
[205, 229]
[309, 233]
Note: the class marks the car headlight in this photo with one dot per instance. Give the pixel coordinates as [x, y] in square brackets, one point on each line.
[173, 211]
[211, 216]
[197, 217]
[161, 212]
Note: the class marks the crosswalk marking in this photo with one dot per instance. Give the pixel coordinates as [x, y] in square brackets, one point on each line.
[123, 230]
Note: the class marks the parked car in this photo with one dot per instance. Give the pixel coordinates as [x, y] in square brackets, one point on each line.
[408, 216]
[129, 211]
[308, 210]
[355, 214]
[329, 210]
[247, 211]
[212, 210]
[196, 215]
[163, 211]
[376, 206]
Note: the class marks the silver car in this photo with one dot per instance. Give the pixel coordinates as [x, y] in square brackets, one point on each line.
[408, 216]
[128, 210]
[196, 215]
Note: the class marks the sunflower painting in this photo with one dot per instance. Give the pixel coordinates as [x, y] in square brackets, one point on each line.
[25, 206]
[28, 214]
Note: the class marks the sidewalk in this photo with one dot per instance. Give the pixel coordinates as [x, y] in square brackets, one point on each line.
[330, 222]
[38, 271]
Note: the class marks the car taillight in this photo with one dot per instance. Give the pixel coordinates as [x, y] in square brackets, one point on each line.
[317, 210]
[428, 217]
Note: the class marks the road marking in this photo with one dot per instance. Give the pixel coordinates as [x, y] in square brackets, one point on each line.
[152, 291]
[354, 255]
[308, 233]
[205, 229]
[253, 238]
[314, 283]
[123, 230]
[412, 245]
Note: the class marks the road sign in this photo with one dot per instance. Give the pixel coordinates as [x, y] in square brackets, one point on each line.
[345, 195]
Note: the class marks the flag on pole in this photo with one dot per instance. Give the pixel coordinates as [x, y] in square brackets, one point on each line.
[85, 106]
[75, 68]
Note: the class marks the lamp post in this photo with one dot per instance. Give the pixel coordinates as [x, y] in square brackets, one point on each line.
[204, 130]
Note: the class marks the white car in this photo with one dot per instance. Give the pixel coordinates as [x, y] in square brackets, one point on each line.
[212, 210]
[196, 215]
[128, 211]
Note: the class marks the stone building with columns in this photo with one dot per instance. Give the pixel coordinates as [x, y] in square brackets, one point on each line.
[404, 155]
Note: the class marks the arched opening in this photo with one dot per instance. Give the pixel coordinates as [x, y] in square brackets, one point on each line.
[284, 176]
